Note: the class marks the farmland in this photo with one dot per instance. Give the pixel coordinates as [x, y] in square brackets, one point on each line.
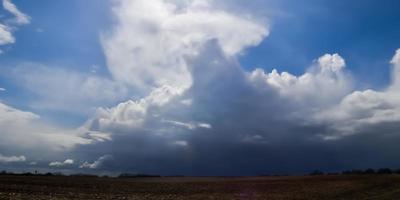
[302, 187]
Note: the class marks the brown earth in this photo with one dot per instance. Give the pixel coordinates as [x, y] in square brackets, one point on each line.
[338, 187]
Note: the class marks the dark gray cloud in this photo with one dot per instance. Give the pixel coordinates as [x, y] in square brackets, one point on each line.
[253, 127]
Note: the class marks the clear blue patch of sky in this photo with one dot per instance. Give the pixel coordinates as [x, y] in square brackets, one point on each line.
[366, 33]
[62, 32]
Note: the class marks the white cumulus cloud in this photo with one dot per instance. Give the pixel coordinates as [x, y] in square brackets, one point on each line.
[61, 164]
[360, 111]
[132, 114]
[323, 84]
[11, 159]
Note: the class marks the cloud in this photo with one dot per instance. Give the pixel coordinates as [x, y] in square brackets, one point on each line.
[248, 114]
[327, 76]
[190, 126]
[229, 108]
[197, 111]
[61, 164]
[96, 164]
[362, 111]
[230, 88]
[10, 114]
[7, 28]
[33, 163]
[181, 143]
[6, 36]
[131, 114]
[396, 70]
[11, 159]
[331, 63]
[2, 89]
[25, 131]
[221, 108]
[155, 56]
[20, 18]
[59, 89]
[28, 133]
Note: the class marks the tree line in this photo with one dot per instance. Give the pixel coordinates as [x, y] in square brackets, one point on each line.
[370, 171]
[358, 172]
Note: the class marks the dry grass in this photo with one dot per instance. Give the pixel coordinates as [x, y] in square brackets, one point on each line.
[323, 187]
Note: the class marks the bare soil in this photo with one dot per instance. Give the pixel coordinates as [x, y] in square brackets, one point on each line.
[339, 187]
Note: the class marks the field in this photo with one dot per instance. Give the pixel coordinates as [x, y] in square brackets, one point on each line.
[303, 187]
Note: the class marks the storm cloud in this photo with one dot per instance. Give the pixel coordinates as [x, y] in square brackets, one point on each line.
[195, 110]
[255, 122]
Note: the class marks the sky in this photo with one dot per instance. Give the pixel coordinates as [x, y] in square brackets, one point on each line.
[199, 87]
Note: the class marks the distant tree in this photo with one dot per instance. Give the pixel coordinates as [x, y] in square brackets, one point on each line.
[27, 174]
[333, 174]
[127, 175]
[357, 171]
[317, 173]
[263, 175]
[346, 172]
[385, 171]
[369, 171]
[84, 175]
[58, 174]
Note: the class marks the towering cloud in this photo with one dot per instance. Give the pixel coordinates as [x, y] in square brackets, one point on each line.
[149, 51]
[192, 64]
[196, 110]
